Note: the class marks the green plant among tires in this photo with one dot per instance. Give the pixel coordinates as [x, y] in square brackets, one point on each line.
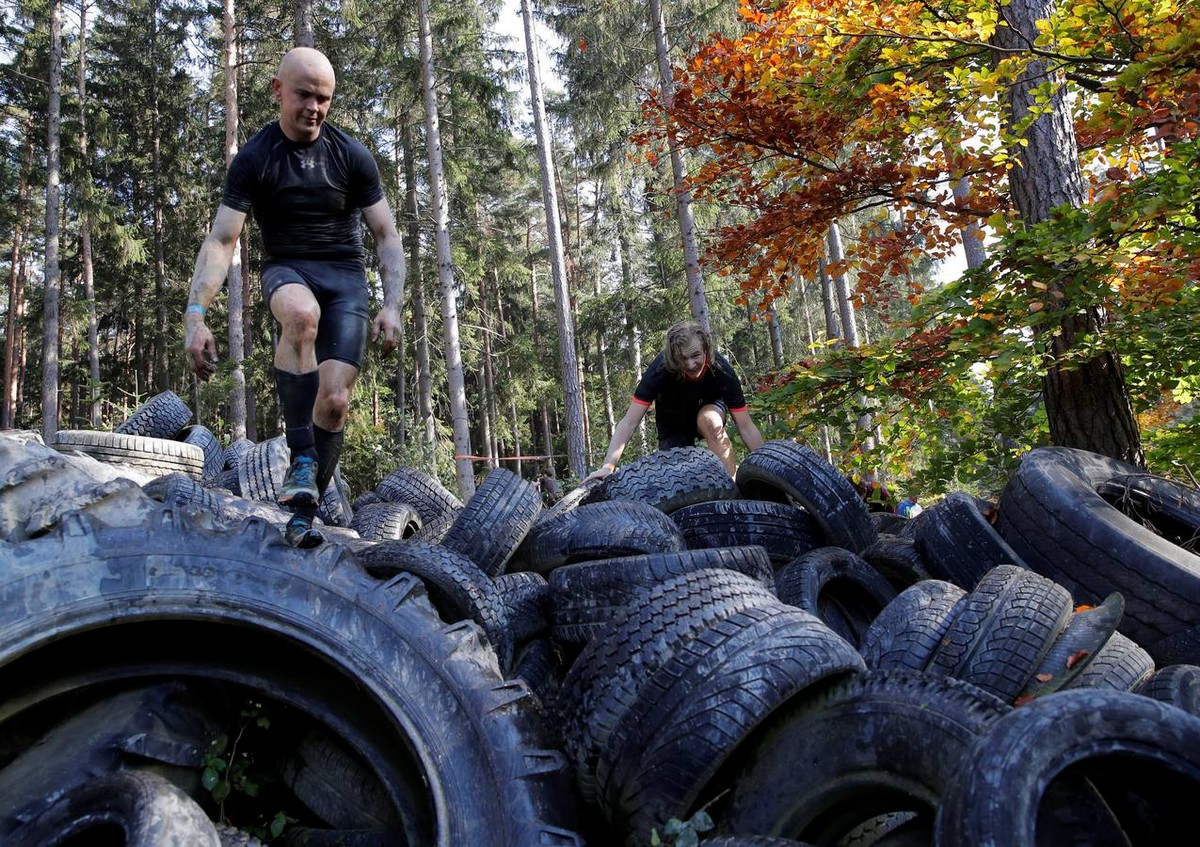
[665, 659]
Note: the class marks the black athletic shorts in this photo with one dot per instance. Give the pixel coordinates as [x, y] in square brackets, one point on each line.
[682, 439]
[341, 292]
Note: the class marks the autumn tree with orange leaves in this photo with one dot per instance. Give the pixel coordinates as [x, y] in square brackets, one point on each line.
[1076, 127]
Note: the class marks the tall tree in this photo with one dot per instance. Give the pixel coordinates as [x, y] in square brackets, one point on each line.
[1087, 402]
[233, 280]
[567, 358]
[683, 195]
[459, 414]
[52, 283]
[85, 230]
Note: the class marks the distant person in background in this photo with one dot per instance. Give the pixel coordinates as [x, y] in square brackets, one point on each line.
[909, 507]
[692, 389]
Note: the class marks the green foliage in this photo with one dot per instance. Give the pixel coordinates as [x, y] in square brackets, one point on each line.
[229, 768]
[679, 833]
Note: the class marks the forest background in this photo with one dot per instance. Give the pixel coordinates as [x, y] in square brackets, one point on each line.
[790, 172]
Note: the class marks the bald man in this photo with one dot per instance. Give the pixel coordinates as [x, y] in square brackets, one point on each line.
[309, 185]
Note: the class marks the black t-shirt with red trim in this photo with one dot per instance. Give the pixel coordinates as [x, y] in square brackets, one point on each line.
[678, 399]
[307, 197]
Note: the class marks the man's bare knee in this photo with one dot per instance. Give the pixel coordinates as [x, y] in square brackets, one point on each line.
[710, 423]
[333, 408]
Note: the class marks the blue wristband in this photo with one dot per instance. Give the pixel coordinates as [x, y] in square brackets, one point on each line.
[197, 308]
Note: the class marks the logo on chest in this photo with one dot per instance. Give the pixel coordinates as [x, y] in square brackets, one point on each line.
[307, 162]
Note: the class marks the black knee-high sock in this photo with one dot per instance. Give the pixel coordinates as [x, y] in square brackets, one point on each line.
[329, 450]
[297, 394]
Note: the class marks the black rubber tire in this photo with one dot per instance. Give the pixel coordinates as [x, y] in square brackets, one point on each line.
[608, 674]
[606, 530]
[214, 453]
[958, 544]
[898, 560]
[566, 503]
[669, 480]
[154, 456]
[750, 841]
[1003, 630]
[423, 492]
[1057, 512]
[162, 416]
[493, 522]
[694, 713]
[432, 532]
[337, 785]
[308, 627]
[262, 469]
[1025, 750]
[783, 530]
[457, 587]
[335, 508]
[526, 597]
[230, 482]
[365, 499]
[38, 485]
[871, 744]
[235, 451]
[1178, 685]
[784, 468]
[584, 598]
[1121, 665]
[907, 632]
[386, 521]
[1076, 647]
[540, 666]
[837, 586]
[147, 810]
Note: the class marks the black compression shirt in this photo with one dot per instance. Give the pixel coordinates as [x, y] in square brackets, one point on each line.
[677, 400]
[307, 198]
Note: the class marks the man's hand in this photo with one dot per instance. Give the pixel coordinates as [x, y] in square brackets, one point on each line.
[387, 325]
[201, 349]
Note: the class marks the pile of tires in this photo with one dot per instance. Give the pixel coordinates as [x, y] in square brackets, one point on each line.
[666, 652]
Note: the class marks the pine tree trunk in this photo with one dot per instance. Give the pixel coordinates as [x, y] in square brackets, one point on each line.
[568, 361]
[162, 377]
[683, 196]
[1087, 404]
[85, 232]
[52, 287]
[417, 288]
[302, 26]
[441, 222]
[233, 281]
[14, 322]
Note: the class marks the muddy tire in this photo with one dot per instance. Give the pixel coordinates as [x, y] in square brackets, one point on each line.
[263, 468]
[146, 808]
[369, 659]
[386, 521]
[214, 453]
